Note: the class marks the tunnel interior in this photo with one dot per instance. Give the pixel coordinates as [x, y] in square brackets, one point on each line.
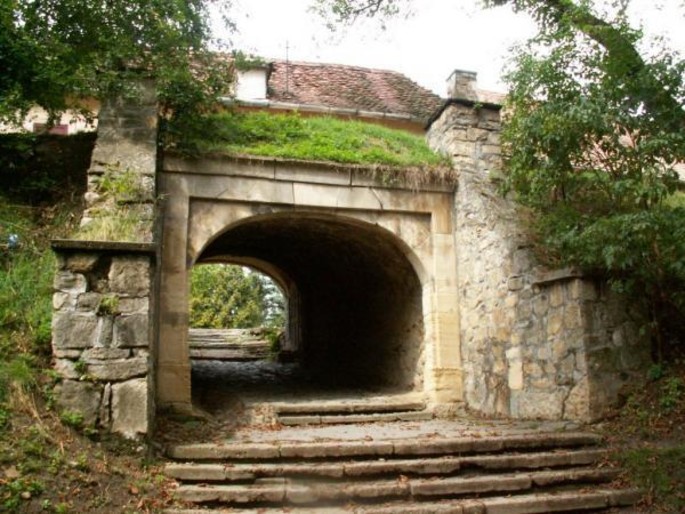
[355, 300]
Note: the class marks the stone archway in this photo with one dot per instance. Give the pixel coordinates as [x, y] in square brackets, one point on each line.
[357, 312]
[374, 267]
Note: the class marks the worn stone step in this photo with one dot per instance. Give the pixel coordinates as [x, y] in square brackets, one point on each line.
[538, 503]
[307, 491]
[384, 417]
[370, 405]
[209, 472]
[380, 448]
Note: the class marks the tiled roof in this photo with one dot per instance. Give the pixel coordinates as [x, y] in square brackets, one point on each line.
[350, 87]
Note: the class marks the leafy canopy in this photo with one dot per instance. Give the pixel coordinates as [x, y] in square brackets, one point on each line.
[55, 53]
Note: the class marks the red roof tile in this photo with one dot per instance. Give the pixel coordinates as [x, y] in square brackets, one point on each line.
[350, 87]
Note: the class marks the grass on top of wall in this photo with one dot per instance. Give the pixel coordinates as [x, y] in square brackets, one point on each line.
[322, 138]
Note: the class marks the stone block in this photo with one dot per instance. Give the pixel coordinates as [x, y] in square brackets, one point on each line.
[515, 283]
[555, 323]
[89, 301]
[98, 354]
[130, 416]
[130, 276]
[131, 331]
[542, 404]
[115, 370]
[74, 330]
[105, 331]
[69, 282]
[515, 368]
[134, 305]
[312, 175]
[106, 406]
[573, 317]
[80, 397]
[63, 301]
[556, 295]
[67, 354]
[82, 262]
[67, 369]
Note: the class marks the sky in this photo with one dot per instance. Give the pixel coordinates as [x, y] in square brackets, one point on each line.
[441, 36]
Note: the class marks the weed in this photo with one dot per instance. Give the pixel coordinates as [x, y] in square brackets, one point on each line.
[72, 419]
[62, 508]
[672, 393]
[125, 223]
[109, 305]
[14, 492]
[81, 463]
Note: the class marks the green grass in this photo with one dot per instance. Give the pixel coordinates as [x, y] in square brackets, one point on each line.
[314, 138]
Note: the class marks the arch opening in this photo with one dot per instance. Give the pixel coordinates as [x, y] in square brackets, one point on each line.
[354, 300]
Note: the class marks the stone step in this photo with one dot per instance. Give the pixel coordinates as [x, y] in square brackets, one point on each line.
[380, 448]
[210, 472]
[229, 353]
[339, 419]
[366, 406]
[537, 503]
[275, 491]
[228, 344]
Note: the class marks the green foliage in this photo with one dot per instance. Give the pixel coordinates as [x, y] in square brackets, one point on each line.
[72, 419]
[312, 138]
[13, 492]
[109, 305]
[57, 53]
[660, 472]
[593, 133]
[229, 296]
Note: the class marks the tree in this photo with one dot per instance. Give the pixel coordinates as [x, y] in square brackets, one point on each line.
[230, 296]
[56, 53]
[594, 130]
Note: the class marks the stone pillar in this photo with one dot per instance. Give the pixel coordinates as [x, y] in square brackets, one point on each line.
[121, 193]
[102, 328]
[104, 296]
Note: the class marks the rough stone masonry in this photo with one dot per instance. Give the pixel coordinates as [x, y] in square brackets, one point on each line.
[493, 331]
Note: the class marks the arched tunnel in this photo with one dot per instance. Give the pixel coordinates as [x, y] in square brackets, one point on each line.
[358, 299]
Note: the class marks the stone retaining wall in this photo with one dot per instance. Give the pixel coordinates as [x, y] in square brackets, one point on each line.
[533, 344]
[102, 334]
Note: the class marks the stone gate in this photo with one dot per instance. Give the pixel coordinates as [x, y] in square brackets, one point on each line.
[431, 288]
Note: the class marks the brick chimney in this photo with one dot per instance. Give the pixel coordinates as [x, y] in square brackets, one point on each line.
[461, 85]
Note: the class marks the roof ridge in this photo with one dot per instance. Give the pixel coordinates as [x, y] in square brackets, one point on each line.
[338, 65]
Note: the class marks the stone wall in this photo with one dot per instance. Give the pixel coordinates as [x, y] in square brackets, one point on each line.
[532, 347]
[102, 334]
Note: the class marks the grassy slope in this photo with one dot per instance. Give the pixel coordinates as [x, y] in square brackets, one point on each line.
[315, 138]
[47, 464]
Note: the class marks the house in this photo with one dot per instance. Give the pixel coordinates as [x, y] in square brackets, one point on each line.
[374, 95]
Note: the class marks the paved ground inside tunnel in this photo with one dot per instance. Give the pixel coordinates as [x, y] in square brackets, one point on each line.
[236, 401]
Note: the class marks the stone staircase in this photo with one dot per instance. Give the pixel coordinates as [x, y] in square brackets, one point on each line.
[348, 412]
[397, 467]
[228, 344]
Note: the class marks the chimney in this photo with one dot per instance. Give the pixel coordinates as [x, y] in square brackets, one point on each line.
[251, 83]
[461, 85]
